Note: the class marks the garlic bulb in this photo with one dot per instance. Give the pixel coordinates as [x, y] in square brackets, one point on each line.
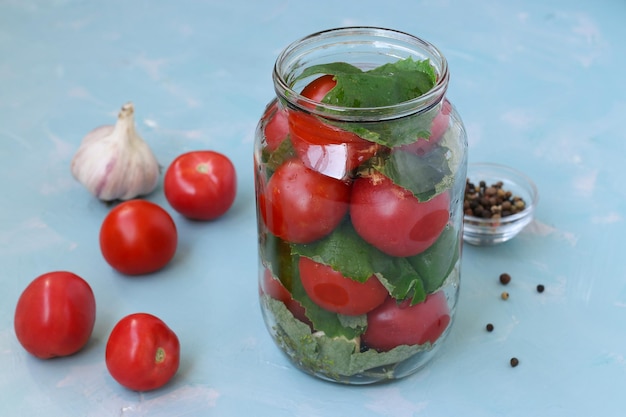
[114, 163]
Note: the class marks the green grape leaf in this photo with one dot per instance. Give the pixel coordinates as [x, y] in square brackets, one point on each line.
[435, 263]
[345, 251]
[425, 176]
[383, 86]
[336, 357]
[386, 85]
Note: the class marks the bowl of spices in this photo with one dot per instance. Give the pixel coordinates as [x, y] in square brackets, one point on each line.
[499, 202]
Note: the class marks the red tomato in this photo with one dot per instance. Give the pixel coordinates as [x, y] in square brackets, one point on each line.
[201, 185]
[142, 353]
[390, 218]
[55, 315]
[317, 89]
[439, 126]
[275, 126]
[327, 149]
[323, 147]
[334, 292]
[275, 289]
[301, 205]
[138, 237]
[394, 324]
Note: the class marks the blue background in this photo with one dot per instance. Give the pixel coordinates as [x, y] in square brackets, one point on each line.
[540, 86]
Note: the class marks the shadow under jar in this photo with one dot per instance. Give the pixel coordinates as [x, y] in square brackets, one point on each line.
[360, 168]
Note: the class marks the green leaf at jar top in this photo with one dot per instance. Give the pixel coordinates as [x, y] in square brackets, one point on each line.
[384, 86]
[345, 251]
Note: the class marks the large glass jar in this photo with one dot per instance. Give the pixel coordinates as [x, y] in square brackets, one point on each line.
[360, 166]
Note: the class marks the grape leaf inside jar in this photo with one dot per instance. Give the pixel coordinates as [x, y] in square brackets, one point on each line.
[424, 176]
[333, 356]
[345, 251]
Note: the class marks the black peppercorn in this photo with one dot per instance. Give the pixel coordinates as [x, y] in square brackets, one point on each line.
[489, 327]
[540, 288]
[491, 201]
[514, 362]
[505, 278]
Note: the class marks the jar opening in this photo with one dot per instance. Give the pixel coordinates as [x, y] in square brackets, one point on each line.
[365, 48]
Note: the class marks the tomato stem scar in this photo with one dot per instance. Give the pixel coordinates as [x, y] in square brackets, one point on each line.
[160, 355]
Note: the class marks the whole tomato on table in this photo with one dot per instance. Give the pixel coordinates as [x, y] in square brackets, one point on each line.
[55, 315]
[201, 185]
[142, 352]
[138, 237]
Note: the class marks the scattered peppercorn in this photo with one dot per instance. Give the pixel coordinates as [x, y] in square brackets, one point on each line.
[504, 295]
[514, 362]
[491, 201]
[505, 278]
[540, 288]
[489, 327]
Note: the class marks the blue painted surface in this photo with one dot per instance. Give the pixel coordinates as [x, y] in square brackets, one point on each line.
[540, 86]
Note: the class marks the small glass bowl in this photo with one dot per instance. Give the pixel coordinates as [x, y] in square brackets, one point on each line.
[491, 231]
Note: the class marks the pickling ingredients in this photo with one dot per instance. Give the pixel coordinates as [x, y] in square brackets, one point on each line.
[114, 163]
[358, 239]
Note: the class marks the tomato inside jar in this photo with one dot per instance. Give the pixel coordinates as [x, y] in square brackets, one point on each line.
[359, 206]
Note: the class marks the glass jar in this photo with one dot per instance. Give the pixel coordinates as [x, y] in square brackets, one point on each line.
[360, 167]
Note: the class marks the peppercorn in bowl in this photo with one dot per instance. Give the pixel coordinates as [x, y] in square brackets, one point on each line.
[499, 202]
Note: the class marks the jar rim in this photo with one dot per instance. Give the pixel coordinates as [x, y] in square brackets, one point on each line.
[324, 39]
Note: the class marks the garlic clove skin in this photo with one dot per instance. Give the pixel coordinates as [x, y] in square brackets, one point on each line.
[114, 163]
